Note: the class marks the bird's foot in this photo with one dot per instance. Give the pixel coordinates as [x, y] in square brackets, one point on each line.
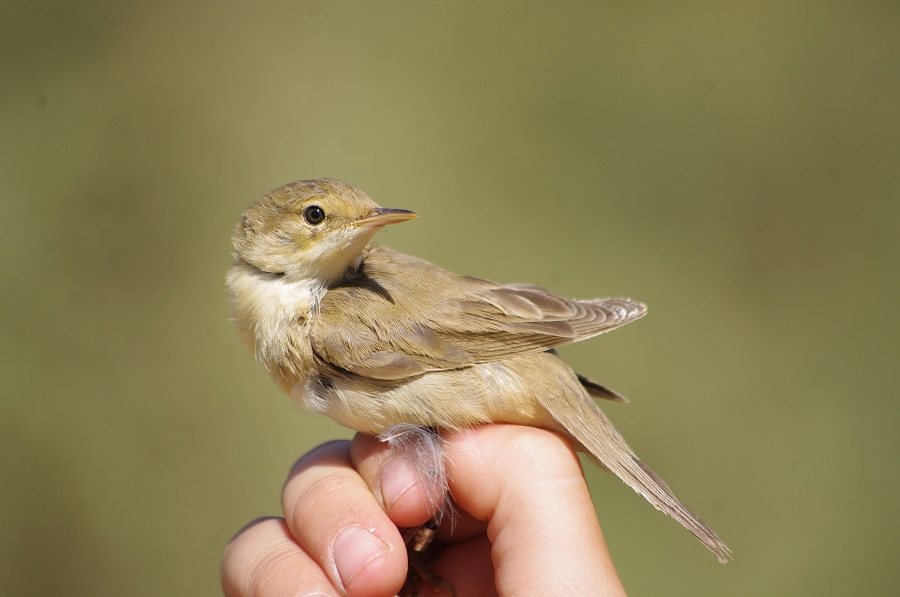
[417, 542]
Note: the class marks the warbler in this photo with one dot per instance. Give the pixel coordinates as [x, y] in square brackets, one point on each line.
[383, 342]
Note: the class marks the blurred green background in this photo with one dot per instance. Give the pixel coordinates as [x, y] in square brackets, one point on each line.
[734, 166]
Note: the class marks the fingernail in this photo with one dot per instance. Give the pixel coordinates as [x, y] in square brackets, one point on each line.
[353, 549]
[397, 476]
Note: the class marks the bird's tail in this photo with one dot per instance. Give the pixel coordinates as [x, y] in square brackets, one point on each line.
[589, 426]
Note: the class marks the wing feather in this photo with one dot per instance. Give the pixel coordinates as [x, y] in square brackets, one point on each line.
[390, 322]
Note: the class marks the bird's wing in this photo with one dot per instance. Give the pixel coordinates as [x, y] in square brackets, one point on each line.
[402, 316]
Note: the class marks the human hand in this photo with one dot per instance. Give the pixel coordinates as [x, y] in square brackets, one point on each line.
[525, 523]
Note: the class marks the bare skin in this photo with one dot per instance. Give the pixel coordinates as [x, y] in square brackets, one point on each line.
[525, 522]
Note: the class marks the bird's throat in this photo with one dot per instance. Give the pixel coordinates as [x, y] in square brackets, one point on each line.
[271, 310]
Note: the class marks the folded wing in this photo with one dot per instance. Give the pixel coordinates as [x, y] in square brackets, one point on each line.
[402, 316]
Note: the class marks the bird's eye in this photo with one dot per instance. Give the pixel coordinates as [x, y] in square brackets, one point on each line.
[314, 214]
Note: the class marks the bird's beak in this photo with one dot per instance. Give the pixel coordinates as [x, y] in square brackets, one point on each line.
[382, 216]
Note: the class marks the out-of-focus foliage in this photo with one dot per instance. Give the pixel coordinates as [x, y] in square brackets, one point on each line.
[733, 165]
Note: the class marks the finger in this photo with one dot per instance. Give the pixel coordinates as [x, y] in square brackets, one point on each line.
[336, 519]
[460, 527]
[467, 565]
[394, 481]
[528, 484]
[263, 559]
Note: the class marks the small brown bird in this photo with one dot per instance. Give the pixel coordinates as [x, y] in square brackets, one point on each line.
[383, 342]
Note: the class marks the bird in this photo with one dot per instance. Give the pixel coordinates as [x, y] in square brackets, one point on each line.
[393, 346]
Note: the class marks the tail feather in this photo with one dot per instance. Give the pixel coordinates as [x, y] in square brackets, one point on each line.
[598, 390]
[589, 426]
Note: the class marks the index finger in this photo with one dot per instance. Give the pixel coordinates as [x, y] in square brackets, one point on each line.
[528, 485]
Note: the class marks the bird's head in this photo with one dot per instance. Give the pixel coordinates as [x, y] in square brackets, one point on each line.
[311, 229]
